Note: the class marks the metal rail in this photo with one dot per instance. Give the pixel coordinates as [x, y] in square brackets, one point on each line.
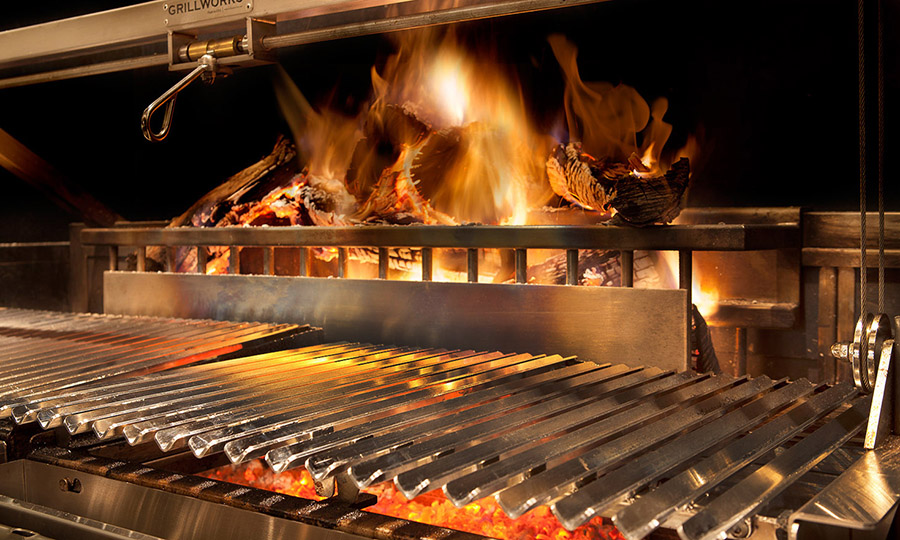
[80, 46]
[670, 237]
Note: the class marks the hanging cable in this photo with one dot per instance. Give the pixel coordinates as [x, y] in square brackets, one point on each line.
[880, 60]
[861, 50]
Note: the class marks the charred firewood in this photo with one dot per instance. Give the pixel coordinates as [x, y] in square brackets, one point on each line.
[275, 169]
[395, 198]
[435, 161]
[385, 133]
[645, 201]
[605, 185]
[582, 179]
[597, 268]
[252, 183]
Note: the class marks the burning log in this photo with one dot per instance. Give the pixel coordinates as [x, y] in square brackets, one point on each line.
[273, 170]
[385, 133]
[604, 185]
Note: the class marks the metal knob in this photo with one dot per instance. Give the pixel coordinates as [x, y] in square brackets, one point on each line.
[841, 350]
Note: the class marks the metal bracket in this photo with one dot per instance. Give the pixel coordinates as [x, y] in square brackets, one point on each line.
[211, 56]
[343, 489]
[207, 67]
[881, 414]
[245, 50]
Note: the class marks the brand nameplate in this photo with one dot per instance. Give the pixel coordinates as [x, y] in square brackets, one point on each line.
[188, 12]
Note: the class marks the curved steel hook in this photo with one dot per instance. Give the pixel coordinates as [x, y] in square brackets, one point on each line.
[206, 64]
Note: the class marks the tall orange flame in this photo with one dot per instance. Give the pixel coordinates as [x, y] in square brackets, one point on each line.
[490, 157]
[607, 119]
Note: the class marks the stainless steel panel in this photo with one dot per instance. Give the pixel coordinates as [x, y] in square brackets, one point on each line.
[142, 23]
[53, 523]
[635, 326]
[860, 498]
[159, 513]
[12, 479]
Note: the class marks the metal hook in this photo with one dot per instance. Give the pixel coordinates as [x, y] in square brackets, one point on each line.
[207, 65]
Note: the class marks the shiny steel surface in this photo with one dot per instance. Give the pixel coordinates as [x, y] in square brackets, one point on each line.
[586, 439]
[170, 515]
[45, 355]
[593, 499]
[762, 485]
[860, 498]
[529, 429]
[206, 64]
[651, 509]
[556, 482]
[486, 316]
[881, 415]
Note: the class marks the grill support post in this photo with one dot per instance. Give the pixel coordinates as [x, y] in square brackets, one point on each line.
[202, 259]
[472, 264]
[685, 279]
[427, 261]
[626, 260]
[571, 267]
[521, 266]
[342, 262]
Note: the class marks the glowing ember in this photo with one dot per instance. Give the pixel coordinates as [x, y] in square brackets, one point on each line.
[482, 517]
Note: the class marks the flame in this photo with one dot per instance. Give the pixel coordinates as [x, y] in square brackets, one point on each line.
[704, 293]
[447, 140]
[449, 82]
[482, 160]
[324, 139]
[607, 118]
[482, 517]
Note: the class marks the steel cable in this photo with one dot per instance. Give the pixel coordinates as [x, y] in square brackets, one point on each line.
[880, 60]
[861, 50]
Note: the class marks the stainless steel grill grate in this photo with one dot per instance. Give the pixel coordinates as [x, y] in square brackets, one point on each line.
[47, 358]
[531, 430]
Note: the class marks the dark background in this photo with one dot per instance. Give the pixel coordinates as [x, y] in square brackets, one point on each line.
[768, 87]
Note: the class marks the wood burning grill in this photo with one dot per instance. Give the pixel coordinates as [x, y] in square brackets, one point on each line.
[582, 437]
[574, 406]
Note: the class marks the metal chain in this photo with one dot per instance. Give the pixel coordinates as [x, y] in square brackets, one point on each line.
[861, 49]
[880, 60]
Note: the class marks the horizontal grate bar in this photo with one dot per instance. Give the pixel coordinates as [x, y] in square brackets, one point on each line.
[718, 237]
